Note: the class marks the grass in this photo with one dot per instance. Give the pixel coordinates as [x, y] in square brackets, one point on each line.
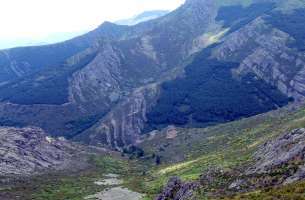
[188, 155]
[74, 188]
[295, 191]
[229, 145]
[81, 185]
[78, 186]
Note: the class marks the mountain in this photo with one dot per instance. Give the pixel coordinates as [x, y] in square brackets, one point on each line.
[144, 16]
[207, 62]
[206, 102]
[49, 39]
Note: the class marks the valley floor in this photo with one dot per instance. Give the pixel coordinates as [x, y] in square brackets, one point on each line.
[188, 155]
[114, 190]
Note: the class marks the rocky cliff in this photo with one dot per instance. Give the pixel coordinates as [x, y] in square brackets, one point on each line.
[264, 50]
[123, 125]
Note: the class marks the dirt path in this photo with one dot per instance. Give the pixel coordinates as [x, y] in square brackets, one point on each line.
[114, 191]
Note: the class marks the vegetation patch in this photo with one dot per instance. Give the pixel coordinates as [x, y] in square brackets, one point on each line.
[226, 146]
[291, 191]
[45, 87]
[236, 16]
[70, 185]
[208, 94]
[78, 126]
[292, 23]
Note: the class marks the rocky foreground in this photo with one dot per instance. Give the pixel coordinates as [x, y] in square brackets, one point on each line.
[285, 151]
[28, 151]
[177, 190]
[278, 162]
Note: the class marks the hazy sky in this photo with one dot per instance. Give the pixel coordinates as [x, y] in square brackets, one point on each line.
[33, 20]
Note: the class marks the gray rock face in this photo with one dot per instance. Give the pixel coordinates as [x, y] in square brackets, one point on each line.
[124, 124]
[126, 80]
[279, 161]
[177, 190]
[30, 151]
[263, 50]
[94, 83]
[284, 150]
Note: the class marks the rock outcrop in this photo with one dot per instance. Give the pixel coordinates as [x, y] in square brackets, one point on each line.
[177, 190]
[288, 149]
[264, 50]
[278, 162]
[124, 124]
[29, 151]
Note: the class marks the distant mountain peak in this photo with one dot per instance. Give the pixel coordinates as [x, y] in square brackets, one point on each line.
[193, 1]
[196, 2]
[142, 17]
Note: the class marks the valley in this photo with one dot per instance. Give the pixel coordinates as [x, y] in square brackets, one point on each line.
[205, 102]
[189, 155]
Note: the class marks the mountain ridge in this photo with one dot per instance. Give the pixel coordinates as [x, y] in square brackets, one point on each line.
[142, 17]
[209, 98]
[106, 78]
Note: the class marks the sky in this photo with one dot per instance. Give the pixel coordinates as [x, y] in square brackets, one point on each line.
[24, 22]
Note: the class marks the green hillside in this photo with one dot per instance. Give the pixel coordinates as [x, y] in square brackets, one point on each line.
[225, 146]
